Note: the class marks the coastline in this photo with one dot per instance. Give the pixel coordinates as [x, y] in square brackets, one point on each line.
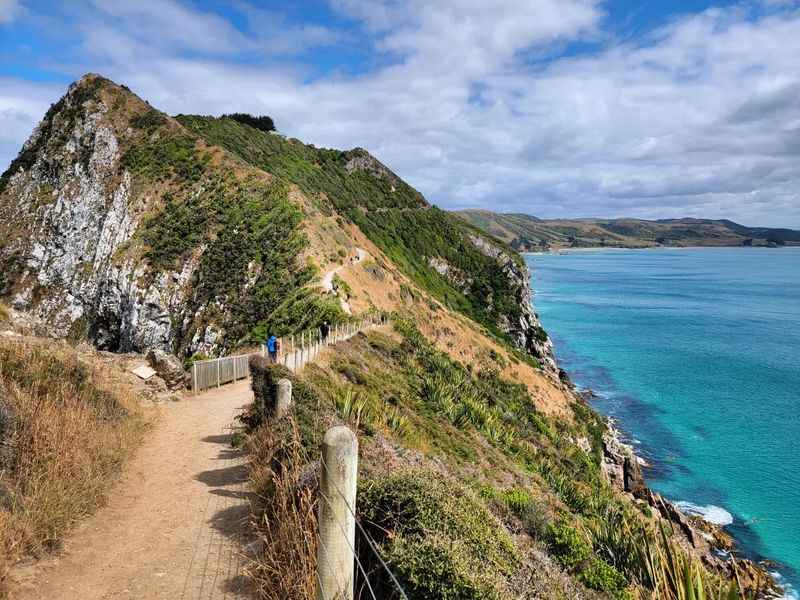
[703, 527]
[568, 250]
[705, 537]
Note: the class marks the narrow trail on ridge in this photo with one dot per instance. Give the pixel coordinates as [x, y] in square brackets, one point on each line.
[175, 524]
[327, 279]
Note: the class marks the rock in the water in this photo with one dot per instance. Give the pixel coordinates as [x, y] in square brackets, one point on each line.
[168, 367]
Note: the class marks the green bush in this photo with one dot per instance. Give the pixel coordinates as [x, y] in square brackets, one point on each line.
[437, 567]
[569, 546]
[539, 334]
[262, 122]
[438, 538]
[599, 575]
[518, 500]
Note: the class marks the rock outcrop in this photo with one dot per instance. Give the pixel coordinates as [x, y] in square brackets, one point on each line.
[168, 368]
[68, 211]
[527, 331]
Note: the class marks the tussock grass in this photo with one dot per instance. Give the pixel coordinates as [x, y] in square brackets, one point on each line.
[4, 312]
[67, 431]
[287, 524]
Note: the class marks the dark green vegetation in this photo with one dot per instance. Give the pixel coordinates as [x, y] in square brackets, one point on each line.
[429, 425]
[440, 537]
[527, 233]
[390, 212]
[262, 122]
[248, 226]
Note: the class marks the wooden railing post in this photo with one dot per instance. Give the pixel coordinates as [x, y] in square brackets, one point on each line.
[337, 522]
[283, 401]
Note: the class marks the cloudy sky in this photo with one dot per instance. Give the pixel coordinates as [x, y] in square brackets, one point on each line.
[551, 107]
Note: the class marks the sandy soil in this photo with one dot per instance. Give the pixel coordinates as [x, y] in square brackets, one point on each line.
[174, 525]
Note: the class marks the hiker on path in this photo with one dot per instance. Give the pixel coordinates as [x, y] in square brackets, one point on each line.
[325, 330]
[272, 348]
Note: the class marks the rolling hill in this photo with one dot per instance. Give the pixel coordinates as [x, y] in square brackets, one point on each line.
[527, 233]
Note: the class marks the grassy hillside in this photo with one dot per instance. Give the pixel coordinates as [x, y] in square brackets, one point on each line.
[466, 490]
[527, 233]
[387, 210]
[248, 227]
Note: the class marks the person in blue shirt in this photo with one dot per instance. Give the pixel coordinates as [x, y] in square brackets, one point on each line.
[272, 348]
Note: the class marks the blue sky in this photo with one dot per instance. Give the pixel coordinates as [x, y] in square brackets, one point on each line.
[550, 107]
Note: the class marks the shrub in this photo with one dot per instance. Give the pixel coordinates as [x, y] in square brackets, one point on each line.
[599, 575]
[518, 500]
[569, 546]
[439, 539]
[539, 334]
[341, 287]
[262, 123]
[352, 407]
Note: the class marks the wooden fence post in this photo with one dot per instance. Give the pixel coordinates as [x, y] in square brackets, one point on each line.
[283, 401]
[337, 522]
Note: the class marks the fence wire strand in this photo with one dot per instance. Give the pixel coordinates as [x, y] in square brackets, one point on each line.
[369, 539]
[352, 548]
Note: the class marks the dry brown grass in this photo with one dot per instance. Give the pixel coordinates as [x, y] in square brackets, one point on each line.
[286, 565]
[72, 431]
[4, 312]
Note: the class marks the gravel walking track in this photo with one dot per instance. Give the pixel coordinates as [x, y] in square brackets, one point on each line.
[175, 524]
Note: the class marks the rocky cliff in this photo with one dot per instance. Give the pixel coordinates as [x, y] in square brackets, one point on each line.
[121, 227]
[526, 330]
[68, 209]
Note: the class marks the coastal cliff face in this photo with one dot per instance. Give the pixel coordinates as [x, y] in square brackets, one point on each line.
[526, 329]
[68, 209]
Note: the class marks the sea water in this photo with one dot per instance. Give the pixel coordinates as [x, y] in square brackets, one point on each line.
[696, 354]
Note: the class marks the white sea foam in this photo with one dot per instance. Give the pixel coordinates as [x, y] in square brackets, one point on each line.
[711, 513]
[789, 593]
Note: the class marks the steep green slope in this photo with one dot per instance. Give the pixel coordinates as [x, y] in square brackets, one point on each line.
[465, 489]
[414, 234]
[528, 233]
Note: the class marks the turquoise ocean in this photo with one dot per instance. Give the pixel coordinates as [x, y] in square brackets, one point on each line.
[696, 355]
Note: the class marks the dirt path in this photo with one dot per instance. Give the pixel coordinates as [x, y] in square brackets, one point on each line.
[327, 279]
[173, 526]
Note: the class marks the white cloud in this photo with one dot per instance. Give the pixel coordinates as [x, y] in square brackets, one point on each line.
[702, 118]
[22, 105]
[8, 10]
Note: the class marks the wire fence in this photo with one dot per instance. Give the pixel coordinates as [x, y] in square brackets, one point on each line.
[369, 577]
[368, 584]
